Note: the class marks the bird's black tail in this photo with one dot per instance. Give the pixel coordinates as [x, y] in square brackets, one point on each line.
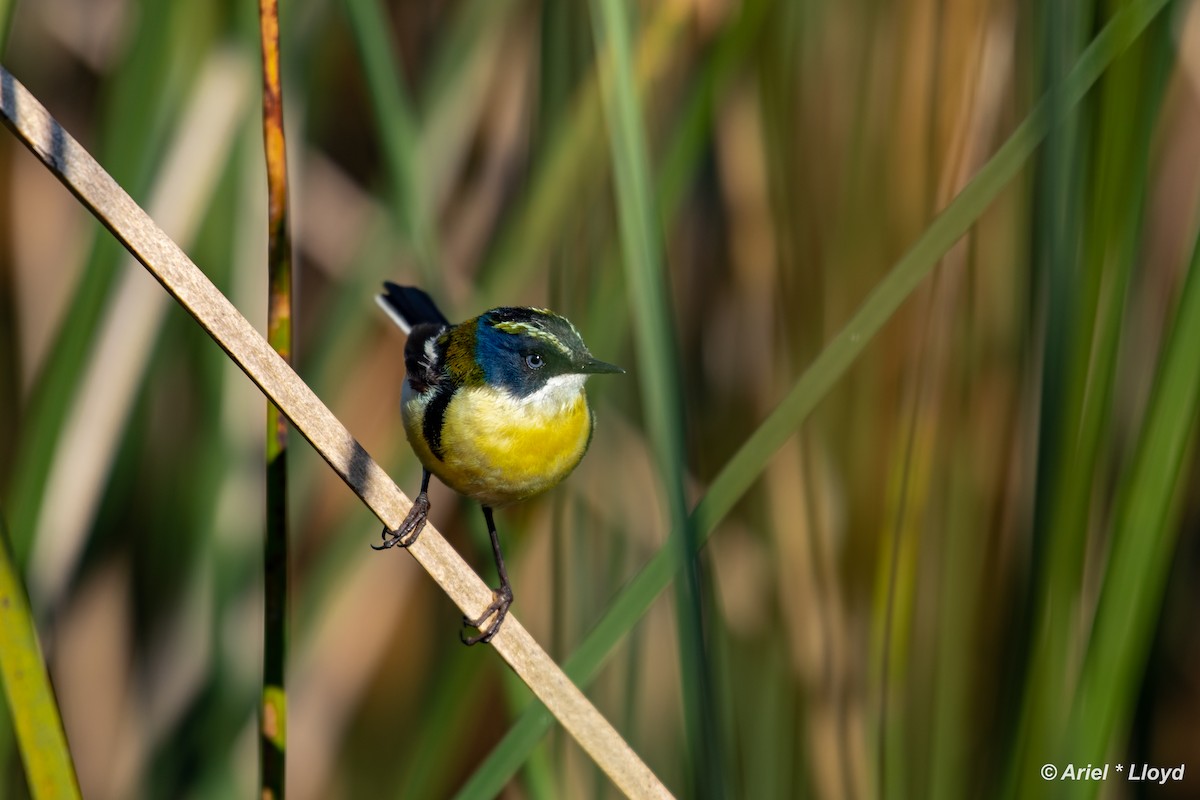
[408, 306]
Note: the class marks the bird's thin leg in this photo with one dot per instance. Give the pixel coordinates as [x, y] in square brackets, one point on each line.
[412, 525]
[501, 598]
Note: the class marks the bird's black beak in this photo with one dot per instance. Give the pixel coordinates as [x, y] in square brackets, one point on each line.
[594, 366]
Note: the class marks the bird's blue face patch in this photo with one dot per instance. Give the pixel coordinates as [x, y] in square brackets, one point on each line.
[496, 354]
[520, 349]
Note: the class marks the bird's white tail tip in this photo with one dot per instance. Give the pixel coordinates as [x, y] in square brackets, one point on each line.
[393, 313]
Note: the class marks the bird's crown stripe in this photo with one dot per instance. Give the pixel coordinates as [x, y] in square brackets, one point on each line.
[529, 329]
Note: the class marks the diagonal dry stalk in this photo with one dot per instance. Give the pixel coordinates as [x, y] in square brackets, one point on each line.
[71, 164]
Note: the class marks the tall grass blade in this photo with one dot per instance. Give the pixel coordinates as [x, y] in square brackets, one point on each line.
[1144, 536]
[1086, 306]
[662, 398]
[43, 746]
[1057, 214]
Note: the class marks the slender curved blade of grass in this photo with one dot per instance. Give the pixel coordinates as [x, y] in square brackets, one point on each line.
[658, 356]
[743, 469]
[1143, 538]
[43, 745]
[398, 134]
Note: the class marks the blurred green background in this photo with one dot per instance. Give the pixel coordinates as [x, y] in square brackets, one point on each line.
[978, 554]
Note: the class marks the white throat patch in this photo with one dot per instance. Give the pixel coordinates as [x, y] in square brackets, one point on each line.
[561, 391]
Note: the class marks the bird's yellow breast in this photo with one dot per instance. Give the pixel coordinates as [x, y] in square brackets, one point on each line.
[497, 448]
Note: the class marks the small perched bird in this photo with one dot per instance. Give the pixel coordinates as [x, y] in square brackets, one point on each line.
[494, 407]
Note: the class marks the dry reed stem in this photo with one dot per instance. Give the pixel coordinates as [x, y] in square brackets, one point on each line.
[72, 164]
[272, 739]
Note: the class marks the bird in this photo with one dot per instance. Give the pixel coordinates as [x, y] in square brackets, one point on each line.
[495, 407]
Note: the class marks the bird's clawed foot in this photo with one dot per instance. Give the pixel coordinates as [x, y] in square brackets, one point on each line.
[410, 528]
[502, 599]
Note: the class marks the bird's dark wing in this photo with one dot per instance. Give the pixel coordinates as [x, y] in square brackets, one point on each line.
[423, 356]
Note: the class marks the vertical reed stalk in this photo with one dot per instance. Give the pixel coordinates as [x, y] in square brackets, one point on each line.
[273, 719]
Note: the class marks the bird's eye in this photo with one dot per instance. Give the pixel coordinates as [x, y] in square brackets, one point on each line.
[534, 361]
